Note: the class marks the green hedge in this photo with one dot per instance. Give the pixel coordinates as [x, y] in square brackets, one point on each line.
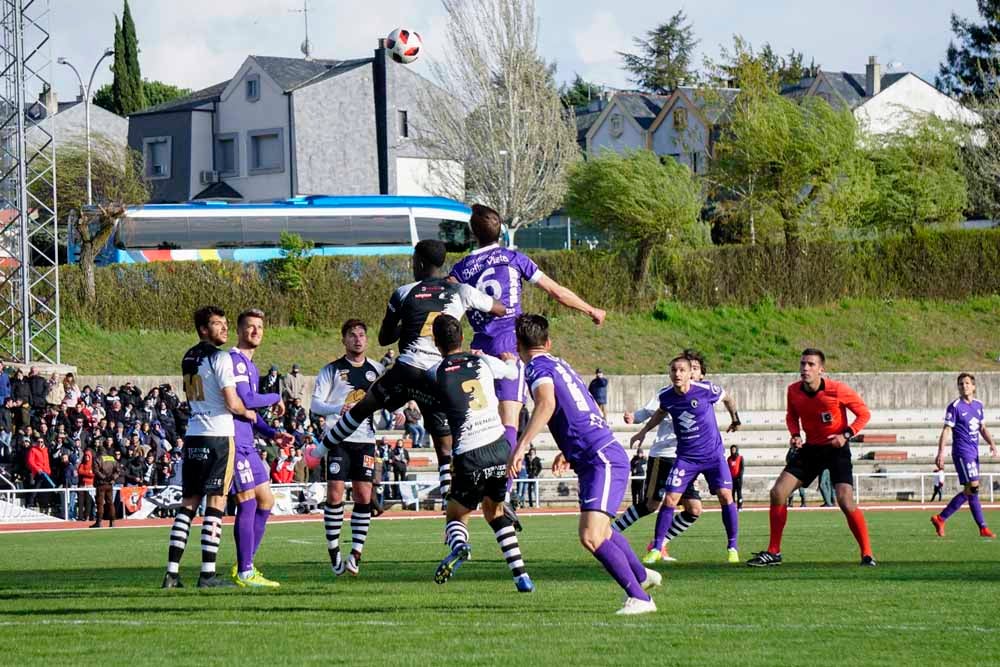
[948, 265]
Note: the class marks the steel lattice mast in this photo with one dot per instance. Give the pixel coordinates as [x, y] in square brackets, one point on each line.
[29, 275]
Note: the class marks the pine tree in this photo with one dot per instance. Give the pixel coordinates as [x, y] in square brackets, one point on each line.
[120, 82]
[137, 98]
[579, 92]
[664, 58]
[972, 68]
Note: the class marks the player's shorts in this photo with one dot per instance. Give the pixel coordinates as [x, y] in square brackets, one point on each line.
[683, 473]
[403, 383]
[506, 390]
[967, 469]
[603, 479]
[250, 471]
[808, 462]
[208, 465]
[351, 461]
[480, 473]
[657, 474]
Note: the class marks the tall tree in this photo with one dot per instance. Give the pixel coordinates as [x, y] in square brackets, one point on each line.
[776, 160]
[648, 202]
[664, 60]
[157, 92]
[972, 65]
[137, 98]
[981, 155]
[502, 117]
[579, 93]
[781, 69]
[119, 68]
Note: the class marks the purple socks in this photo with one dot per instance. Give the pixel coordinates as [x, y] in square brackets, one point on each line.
[511, 433]
[244, 534]
[618, 566]
[730, 519]
[259, 526]
[663, 521]
[977, 510]
[953, 506]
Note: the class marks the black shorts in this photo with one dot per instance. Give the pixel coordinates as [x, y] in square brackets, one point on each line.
[807, 463]
[208, 465]
[403, 383]
[655, 486]
[351, 461]
[480, 473]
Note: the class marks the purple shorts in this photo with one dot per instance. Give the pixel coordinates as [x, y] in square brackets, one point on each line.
[604, 479]
[249, 472]
[507, 390]
[683, 473]
[967, 469]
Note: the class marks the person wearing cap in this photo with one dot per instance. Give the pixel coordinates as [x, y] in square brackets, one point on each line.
[272, 383]
[598, 388]
[295, 385]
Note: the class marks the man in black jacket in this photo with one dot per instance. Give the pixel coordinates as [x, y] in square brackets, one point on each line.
[39, 391]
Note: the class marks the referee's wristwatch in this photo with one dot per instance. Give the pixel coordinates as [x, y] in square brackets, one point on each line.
[848, 434]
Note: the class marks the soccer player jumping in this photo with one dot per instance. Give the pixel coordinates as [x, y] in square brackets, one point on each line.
[587, 445]
[964, 418]
[818, 406]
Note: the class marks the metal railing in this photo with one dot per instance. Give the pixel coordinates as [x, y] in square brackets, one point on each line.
[61, 503]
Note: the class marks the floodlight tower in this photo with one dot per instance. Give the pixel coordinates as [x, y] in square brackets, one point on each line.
[29, 266]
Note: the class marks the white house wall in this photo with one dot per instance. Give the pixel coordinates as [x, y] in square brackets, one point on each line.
[424, 177]
[631, 137]
[667, 140]
[892, 109]
[270, 111]
[202, 140]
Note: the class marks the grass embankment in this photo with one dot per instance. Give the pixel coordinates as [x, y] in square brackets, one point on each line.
[857, 335]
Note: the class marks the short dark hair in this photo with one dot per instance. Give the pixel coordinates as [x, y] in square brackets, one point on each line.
[532, 330]
[431, 252]
[695, 355]
[485, 224]
[350, 324]
[679, 358]
[962, 376]
[251, 312]
[205, 313]
[447, 332]
[814, 352]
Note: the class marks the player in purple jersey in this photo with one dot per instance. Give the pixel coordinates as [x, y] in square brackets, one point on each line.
[251, 481]
[501, 272]
[587, 445]
[965, 419]
[700, 451]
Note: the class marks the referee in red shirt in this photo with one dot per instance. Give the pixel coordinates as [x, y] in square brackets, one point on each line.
[817, 406]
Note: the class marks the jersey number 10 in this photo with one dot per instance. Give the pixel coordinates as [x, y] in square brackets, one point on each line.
[194, 389]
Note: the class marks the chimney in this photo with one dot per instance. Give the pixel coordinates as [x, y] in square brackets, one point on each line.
[48, 98]
[873, 77]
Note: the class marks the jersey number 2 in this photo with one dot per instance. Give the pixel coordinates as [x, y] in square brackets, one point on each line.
[477, 399]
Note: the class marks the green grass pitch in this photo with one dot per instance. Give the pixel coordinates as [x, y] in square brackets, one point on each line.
[92, 597]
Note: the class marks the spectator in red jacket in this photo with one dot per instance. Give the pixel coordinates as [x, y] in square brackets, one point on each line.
[40, 471]
[85, 501]
[283, 468]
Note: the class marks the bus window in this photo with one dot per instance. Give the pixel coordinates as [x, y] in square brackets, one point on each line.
[216, 232]
[454, 233]
[139, 233]
[263, 232]
[381, 230]
[323, 230]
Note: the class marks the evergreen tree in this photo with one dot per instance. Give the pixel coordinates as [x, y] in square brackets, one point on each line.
[137, 98]
[119, 83]
[972, 66]
[664, 58]
[578, 93]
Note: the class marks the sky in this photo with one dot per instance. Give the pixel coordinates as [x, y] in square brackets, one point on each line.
[197, 43]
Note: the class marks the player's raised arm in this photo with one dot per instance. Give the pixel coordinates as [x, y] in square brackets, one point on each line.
[567, 297]
[473, 299]
[544, 394]
[388, 332]
[505, 370]
[653, 422]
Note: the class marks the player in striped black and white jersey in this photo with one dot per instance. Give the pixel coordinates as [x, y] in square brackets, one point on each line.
[210, 389]
[464, 383]
[341, 385]
[408, 319]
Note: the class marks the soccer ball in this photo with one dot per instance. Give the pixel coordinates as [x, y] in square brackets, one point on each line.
[404, 45]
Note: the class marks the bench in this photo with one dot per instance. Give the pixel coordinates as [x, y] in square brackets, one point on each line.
[890, 455]
[906, 495]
